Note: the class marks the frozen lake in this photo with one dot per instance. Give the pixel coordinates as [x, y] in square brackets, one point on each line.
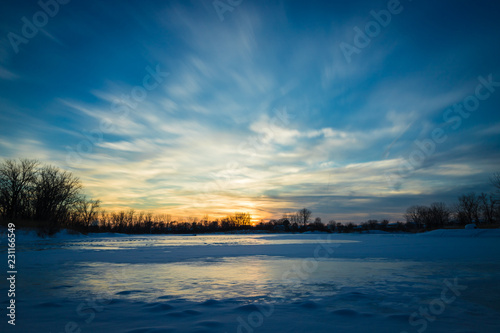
[260, 283]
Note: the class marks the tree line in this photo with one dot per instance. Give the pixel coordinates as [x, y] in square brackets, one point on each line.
[48, 198]
[132, 222]
[483, 208]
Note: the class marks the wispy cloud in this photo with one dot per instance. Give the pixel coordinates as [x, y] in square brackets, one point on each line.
[209, 138]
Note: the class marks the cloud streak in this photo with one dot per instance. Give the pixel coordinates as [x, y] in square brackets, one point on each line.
[259, 113]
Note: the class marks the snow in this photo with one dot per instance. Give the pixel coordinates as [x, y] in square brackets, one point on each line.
[440, 281]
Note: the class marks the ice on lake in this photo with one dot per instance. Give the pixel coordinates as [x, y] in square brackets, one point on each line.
[260, 283]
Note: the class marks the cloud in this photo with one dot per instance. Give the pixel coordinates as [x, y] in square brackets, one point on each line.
[260, 113]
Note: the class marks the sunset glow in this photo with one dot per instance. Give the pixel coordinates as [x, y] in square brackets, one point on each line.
[265, 112]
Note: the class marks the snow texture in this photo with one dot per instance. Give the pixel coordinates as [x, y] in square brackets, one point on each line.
[440, 281]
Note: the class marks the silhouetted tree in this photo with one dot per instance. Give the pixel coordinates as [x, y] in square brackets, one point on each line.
[468, 208]
[304, 215]
[415, 214]
[372, 224]
[487, 207]
[56, 193]
[331, 225]
[17, 180]
[242, 219]
[50, 196]
[495, 180]
[87, 211]
[284, 222]
[439, 214]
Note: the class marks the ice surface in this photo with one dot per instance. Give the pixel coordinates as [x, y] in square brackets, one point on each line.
[258, 283]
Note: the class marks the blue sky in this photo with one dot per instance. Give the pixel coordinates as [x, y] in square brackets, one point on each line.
[203, 107]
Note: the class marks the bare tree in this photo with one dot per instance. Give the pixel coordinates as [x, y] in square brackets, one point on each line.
[295, 219]
[412, 216]
[436, 215]
[87, 210]
[487, 205]
[468, 208]
[304, 215]
[44, 193]
[56, 194]
[418, 215]
[332, 224]
[495, 180]
[242, 219]
[17, 179]
[439, 214]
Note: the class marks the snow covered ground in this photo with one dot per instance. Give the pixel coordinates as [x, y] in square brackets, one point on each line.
[441, 281]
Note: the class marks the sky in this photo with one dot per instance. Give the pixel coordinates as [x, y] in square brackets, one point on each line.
[355, 110]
